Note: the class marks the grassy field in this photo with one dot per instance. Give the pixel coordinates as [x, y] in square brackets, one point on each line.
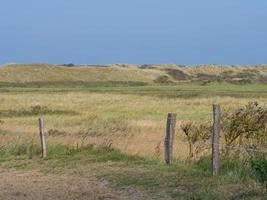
[86, 117]
[128, 118]
[139, 177]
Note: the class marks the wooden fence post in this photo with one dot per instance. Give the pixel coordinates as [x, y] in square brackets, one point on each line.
[42, 137]
[215, 139]
[170, 131]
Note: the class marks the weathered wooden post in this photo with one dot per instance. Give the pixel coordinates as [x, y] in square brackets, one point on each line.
[215, 139]
[42, 137]
[170, 131]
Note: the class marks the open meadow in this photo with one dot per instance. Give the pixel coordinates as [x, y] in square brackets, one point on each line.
[113, 131]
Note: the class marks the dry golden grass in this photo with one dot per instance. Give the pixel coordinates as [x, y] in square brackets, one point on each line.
[24, 73]
[43, 72]
[133, 123]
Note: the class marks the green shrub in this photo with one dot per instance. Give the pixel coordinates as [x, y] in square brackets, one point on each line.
[69, 65]
[242, 81]
[246, 125]
[33, 111]
[163, 79]
[209, 77]
[258, 164]
[246, 75]
[178, 75]
[196, 135]
[55, 132]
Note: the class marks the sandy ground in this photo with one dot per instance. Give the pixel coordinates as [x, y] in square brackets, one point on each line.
[35, 185]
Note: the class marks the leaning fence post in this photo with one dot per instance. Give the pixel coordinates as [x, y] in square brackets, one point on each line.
[215, 139]
[170, 131]
[42, 137]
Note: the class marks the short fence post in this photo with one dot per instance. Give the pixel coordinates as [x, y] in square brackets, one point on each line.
[170, 131]
[42, 137]
[215, 139]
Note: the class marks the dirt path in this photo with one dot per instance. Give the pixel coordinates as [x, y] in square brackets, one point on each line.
[34, 185]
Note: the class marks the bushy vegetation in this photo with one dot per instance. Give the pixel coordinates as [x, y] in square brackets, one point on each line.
[197, 134]
[69, 65]
[34, 111]
[258, 164]
[178, 74]
[246, 126]
[243, 127]
[163, 79]
[56, 132]
[244, 137]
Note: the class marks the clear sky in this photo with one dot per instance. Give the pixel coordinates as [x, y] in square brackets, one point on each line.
[133, 31]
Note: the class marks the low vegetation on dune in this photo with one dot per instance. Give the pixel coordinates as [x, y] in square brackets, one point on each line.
[42, 75]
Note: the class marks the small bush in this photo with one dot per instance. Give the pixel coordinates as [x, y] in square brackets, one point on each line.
[245, 75]
[196, 135]
[33, 111]
[258, 164]
[178, 75]
[55, 132]
[227, 74]
[247, 126]
[209, 77]
[163, 79]
[146, 66]
[69, 65]
[242, 81]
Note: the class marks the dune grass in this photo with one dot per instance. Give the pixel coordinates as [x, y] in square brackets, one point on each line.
[49, 73]
[133, 123]
[28, 74]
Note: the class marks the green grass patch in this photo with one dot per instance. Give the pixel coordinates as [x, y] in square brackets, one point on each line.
[183, 90]
[70, 84]
[180, 180]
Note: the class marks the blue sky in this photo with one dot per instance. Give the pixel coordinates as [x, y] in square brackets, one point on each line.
[137, 31]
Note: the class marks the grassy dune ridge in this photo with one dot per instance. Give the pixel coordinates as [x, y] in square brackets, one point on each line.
[52, 73]
[27, 73]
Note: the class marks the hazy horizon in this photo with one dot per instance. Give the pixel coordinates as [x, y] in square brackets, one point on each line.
[96, 64]
[140, 32]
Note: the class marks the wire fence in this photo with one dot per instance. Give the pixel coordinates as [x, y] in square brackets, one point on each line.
[189, 143]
